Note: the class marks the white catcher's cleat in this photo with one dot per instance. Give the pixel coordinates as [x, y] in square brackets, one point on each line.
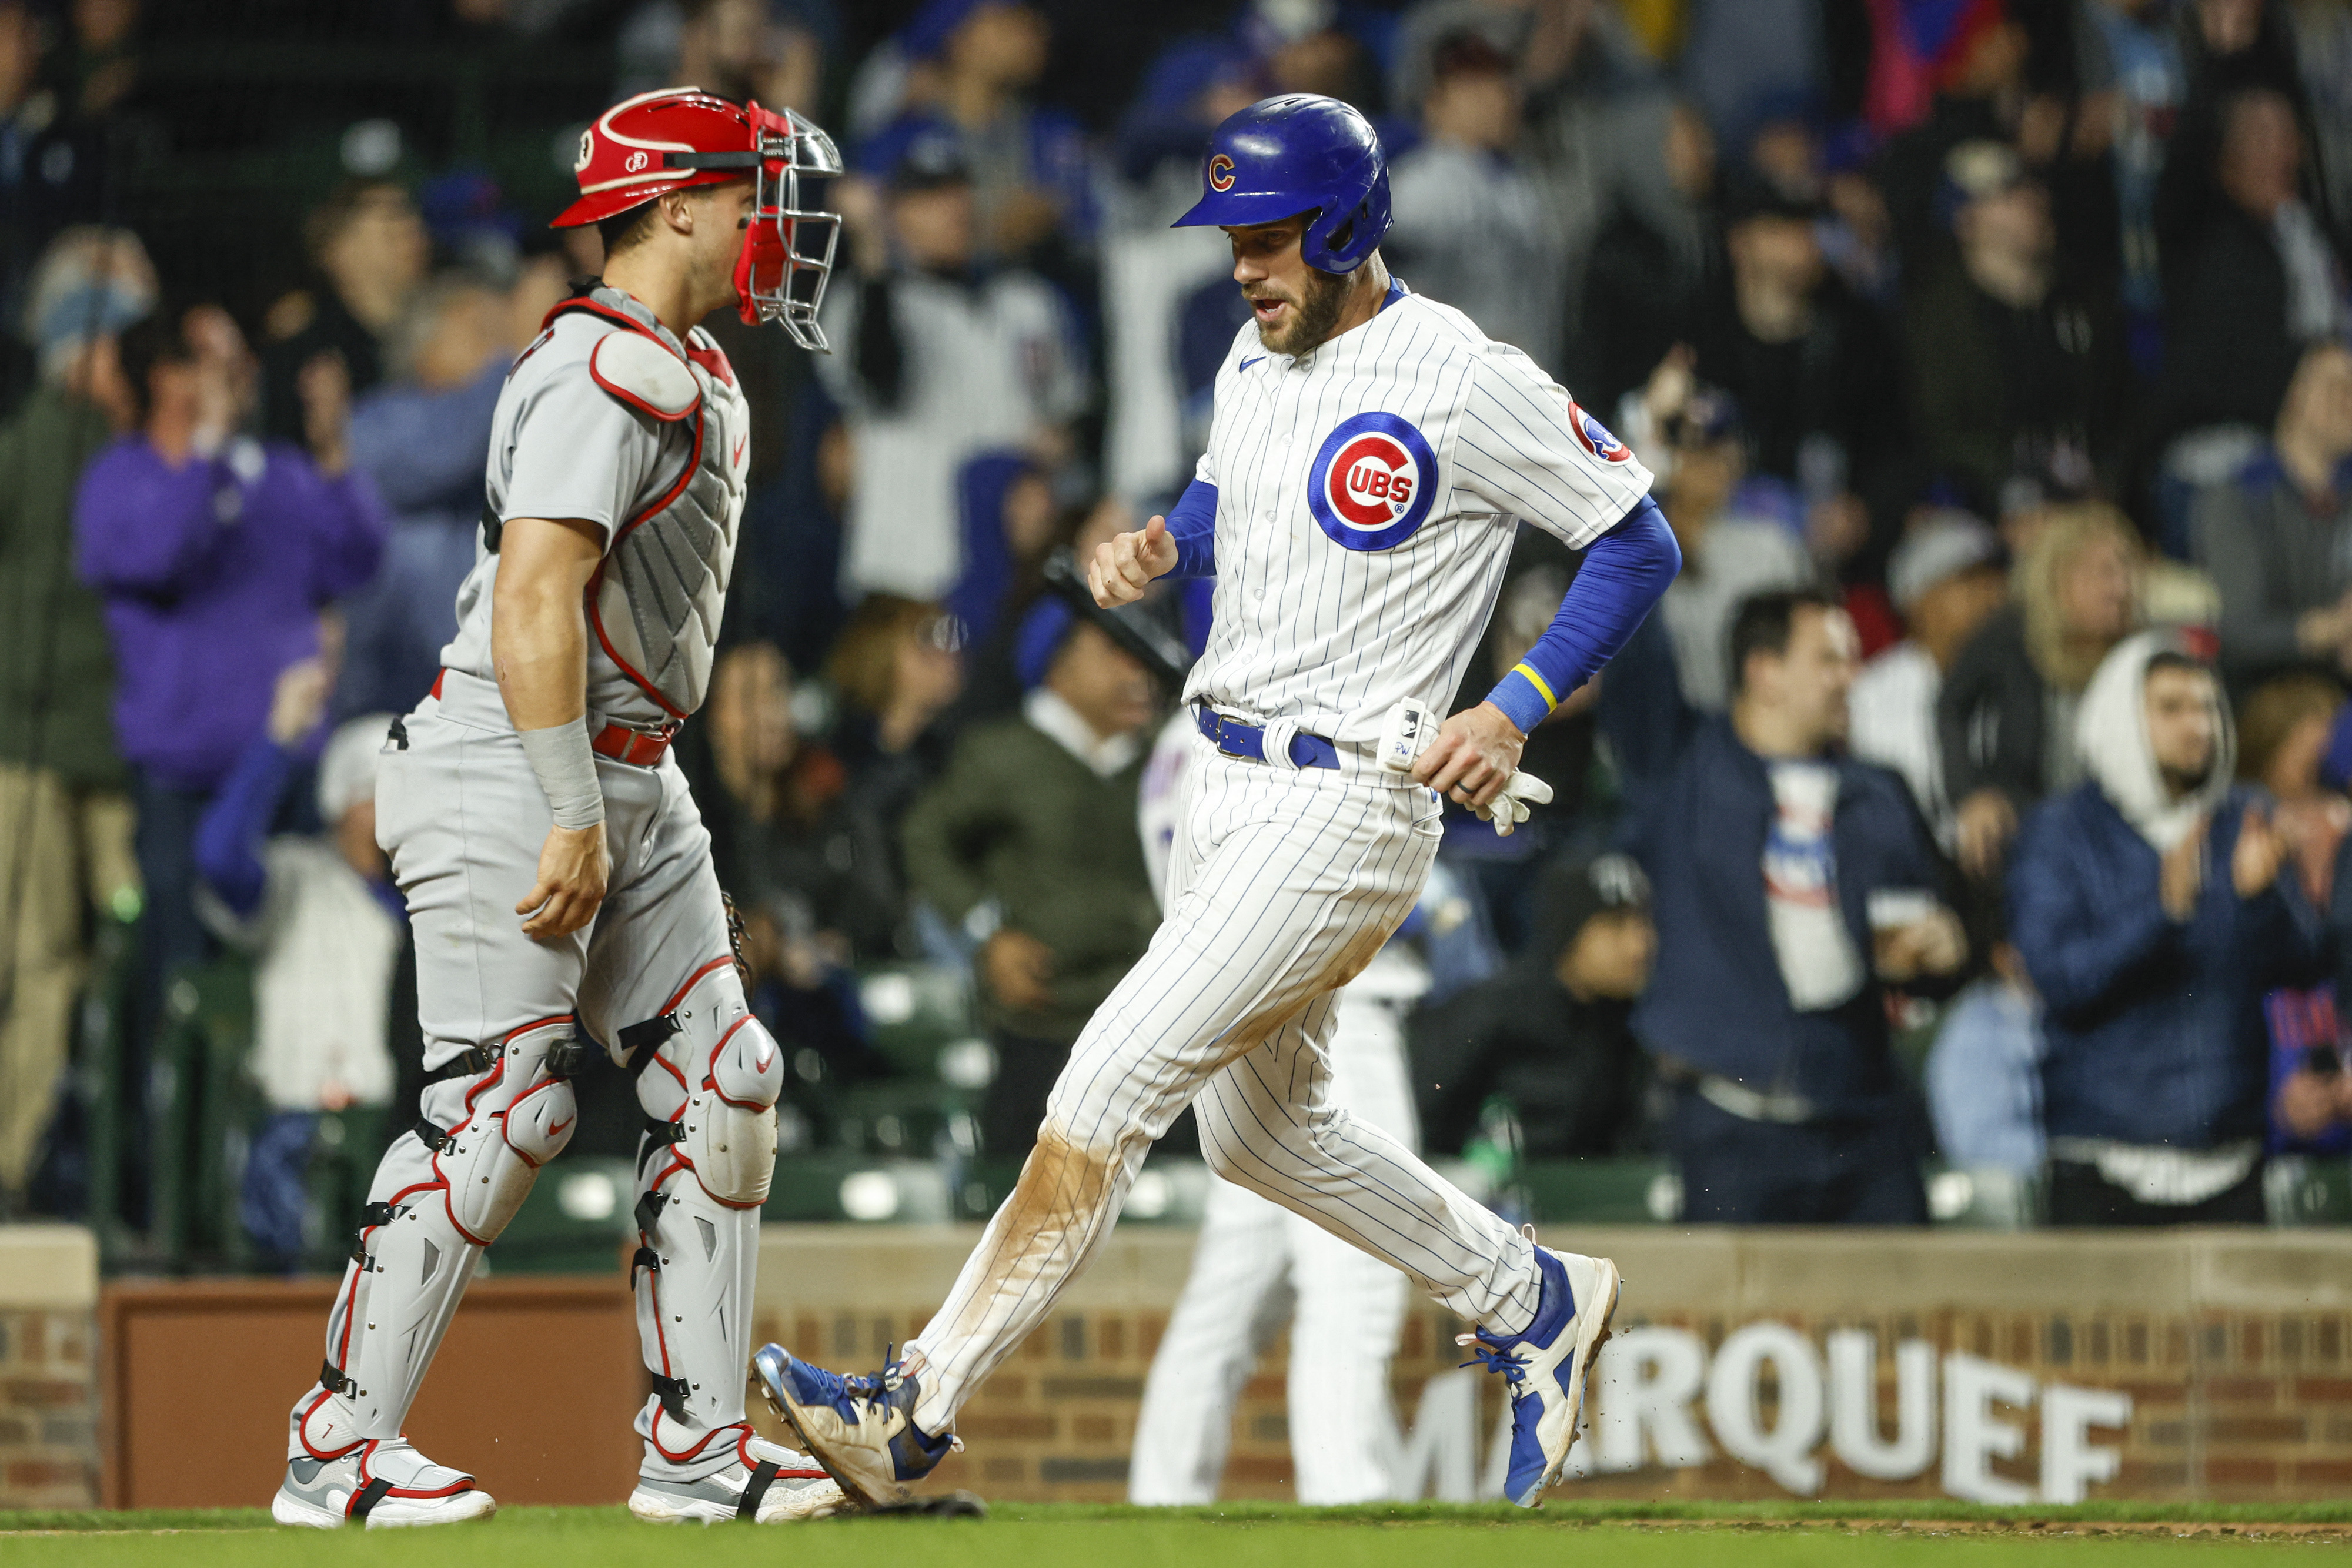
[778, 1486]
[381, 1484]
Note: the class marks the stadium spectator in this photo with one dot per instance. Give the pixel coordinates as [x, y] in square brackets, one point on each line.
[939, 360]
[1656, 258]
[1034, 822]
[1548, 1034]
[370, 251]
[898, 668]
[2284, 730]
[215, 553]
[2253, 281]
[314, 906]
[422, 437]
[1471, 226]
[1745, 61]
[1793, 886]
[817, 891]
[1816, 377]
[739, 49]
[2277, 537]
[786, 843]
[1030, 166]
[1729, 554]
[2005, 718]
[65, 819]
[2132, 58]
[2148, 906]
[1946, 578]
[2013, 363]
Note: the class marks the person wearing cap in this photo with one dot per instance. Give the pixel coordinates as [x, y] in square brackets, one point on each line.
[1728, 552]
[65, 819]
[942, 359]
[316, 909]
[1472, 224]
[1030, 839]
[1549, 1034]
[1947, 578]
[2010, 358]
[977, 60]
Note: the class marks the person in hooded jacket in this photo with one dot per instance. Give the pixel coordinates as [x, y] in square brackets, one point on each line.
[2150, 909]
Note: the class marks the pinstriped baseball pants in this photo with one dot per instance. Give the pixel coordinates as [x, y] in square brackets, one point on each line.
[1283, 884]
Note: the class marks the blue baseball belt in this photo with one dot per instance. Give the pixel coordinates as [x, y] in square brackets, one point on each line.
[1234, 739]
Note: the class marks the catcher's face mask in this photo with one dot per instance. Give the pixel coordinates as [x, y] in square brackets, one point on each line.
[788, 239]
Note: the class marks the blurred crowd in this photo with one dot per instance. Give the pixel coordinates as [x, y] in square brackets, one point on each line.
[1978, 793]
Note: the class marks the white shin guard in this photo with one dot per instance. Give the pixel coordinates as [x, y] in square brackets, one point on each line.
[693, 1276]
[442, 1192]
[710, 1089]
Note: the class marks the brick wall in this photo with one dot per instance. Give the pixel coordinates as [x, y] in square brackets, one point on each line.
[48, 1367]
[2236, 1350]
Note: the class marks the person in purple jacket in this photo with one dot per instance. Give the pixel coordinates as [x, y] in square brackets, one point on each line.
[214, 554]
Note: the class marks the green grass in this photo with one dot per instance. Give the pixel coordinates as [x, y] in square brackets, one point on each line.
[1241, 1535]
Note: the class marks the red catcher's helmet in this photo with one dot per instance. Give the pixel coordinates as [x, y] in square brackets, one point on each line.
[679, 137]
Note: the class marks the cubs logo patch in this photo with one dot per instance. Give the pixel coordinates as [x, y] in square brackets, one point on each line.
[1594, 437]
[1221, 173]
[1370, 486]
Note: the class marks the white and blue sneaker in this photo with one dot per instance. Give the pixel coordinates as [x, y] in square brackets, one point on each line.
[861, 1430]
[1546, 1365]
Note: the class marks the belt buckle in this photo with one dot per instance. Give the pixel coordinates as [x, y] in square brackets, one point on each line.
[1225, 749]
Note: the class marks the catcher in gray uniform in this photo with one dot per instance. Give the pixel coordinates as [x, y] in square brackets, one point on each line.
[557, 873]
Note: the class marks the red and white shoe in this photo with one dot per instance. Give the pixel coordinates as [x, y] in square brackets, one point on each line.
[777, 1486]
[381, 1484]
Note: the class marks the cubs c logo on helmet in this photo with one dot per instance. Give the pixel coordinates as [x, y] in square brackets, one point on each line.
[1221, 173]
[1372, 484]
[1594, 437]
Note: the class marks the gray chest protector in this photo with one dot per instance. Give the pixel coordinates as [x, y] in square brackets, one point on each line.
[654, 605]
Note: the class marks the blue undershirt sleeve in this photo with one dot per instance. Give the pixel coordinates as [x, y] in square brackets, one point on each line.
[1192, 523]
[1625, 573]
[230, 834]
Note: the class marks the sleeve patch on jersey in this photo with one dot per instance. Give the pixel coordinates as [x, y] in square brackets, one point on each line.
[1594, 437]
[1370, 486]
[644, 374]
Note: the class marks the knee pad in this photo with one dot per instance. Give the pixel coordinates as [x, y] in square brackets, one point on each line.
[731, 1119]
[520, 1114]
[714, 1076]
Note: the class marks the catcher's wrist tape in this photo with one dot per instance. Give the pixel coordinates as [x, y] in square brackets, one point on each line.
[566, 767]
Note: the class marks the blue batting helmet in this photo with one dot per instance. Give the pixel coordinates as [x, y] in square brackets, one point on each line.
[1299, 153]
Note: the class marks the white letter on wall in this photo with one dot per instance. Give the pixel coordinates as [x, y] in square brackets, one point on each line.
[2069, 1461]
[1972, 1437]
[1786, 1452]
[1853, 1405]
[1643, 1384]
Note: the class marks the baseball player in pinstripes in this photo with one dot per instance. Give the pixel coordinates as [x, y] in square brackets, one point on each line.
[557, 873]
[1256, 1264]
[1369, 458]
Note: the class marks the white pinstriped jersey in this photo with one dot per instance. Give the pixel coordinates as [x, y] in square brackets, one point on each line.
[1367, 497]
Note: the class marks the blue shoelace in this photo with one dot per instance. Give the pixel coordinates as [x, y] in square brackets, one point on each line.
[1514, 1370]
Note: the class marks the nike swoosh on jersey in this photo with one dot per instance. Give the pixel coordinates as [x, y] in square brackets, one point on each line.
[1245, 364]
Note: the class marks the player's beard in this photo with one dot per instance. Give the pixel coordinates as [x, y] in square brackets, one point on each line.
[1312, 317]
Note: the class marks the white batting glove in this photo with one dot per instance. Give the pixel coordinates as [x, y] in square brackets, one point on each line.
[1514, 804]
[1412, 728]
